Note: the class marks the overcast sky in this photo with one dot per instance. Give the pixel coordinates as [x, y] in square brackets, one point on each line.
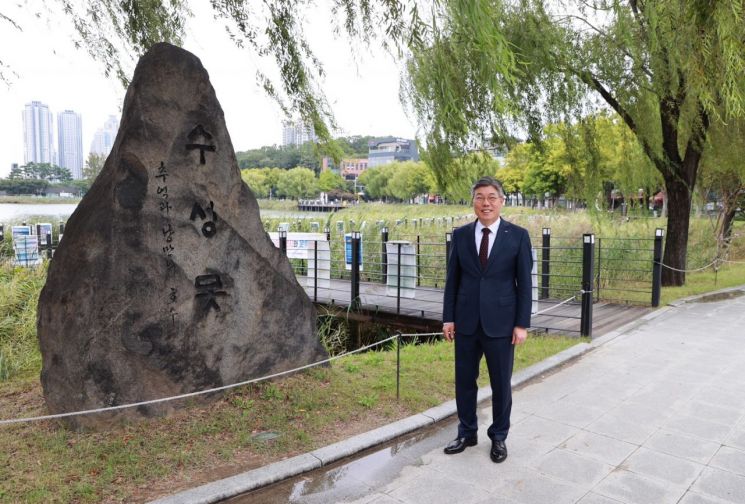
[362, 90]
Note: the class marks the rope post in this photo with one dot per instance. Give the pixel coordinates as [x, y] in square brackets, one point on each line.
[384, 252]
[546, 263]
[588, 250]
[49, 245]
[398, 365]
[398, 280]
[315, 272]
[38, 231]
[659, 233]
[355, 299]
[283, 241]
[327, 232]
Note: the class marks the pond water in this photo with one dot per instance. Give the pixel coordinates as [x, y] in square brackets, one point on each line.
[18, 212]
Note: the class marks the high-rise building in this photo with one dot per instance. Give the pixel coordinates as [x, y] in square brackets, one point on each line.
[297, 133]
[38, 136]
[70, 142]
[389, 149]
[104, 138]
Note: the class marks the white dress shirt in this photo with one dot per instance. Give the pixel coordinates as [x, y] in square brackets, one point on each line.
[492, 236]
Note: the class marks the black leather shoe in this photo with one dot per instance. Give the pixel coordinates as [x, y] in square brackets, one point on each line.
[457, 445]
[498, 451]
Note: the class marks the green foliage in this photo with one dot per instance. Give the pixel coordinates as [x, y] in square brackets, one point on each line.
[297, 183]
[368, 401]
[257, 181]
[115, 33]
[410, 179]
[93, 166]
[376, 180]
[401, 181]
[581, 160]
[723, 175]
[23, 186]
[328, 181]
[466, 170]
[19, 295]
[518, 162]
[548, 170]
[40, 171]
[669, 69]
[37, 178]
[270, 392]
[306, 155]
[483, 71]
[289, 156]
[355, 146]
[457, 82]
[333, 333]
[351, 368]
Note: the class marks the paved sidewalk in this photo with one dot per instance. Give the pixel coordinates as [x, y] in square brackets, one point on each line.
[657, 415]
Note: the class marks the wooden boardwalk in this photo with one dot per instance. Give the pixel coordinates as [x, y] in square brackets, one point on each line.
[426, 305]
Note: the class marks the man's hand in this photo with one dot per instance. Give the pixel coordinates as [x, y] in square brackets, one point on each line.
[448, 330]
[519, 335]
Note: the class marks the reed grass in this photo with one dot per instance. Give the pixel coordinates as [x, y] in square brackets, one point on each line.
[623, 245]
[19, 294]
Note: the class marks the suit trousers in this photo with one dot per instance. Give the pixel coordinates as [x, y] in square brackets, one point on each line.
[499, 354]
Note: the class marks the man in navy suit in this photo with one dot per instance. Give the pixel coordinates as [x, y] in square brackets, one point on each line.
[486, 311]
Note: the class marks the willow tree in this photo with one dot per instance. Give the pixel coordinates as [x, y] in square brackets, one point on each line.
[483, 71]
[117, 32]
[723, 173]
[668, 68]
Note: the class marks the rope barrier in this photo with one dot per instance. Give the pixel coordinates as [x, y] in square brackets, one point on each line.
[193, 394]
[557, 305]
[712, 263]
[235, 385]
[416, 335]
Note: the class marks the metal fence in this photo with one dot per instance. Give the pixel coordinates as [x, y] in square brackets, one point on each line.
[569, 272]
[623, 268]
[406, 276]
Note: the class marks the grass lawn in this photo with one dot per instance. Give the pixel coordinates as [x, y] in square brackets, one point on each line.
[730, 275]
[247, 428]
[252, 426]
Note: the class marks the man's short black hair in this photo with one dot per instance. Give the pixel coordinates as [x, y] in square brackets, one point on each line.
[488, 182]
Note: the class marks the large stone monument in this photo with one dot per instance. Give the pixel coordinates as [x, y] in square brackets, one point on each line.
[165, 281]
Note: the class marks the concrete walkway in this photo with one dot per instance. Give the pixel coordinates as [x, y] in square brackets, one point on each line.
[656, 415]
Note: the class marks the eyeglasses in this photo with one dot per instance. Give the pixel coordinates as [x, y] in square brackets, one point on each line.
[491, 199]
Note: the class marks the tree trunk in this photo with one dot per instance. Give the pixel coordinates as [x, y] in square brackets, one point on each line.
[676, 241]
[725, 231]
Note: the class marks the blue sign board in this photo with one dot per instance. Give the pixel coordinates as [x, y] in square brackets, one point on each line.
[348, 251]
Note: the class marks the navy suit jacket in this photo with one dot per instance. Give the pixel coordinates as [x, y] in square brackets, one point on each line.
[498, 296]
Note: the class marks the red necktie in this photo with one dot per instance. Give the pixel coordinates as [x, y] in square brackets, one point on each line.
[484, 248]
